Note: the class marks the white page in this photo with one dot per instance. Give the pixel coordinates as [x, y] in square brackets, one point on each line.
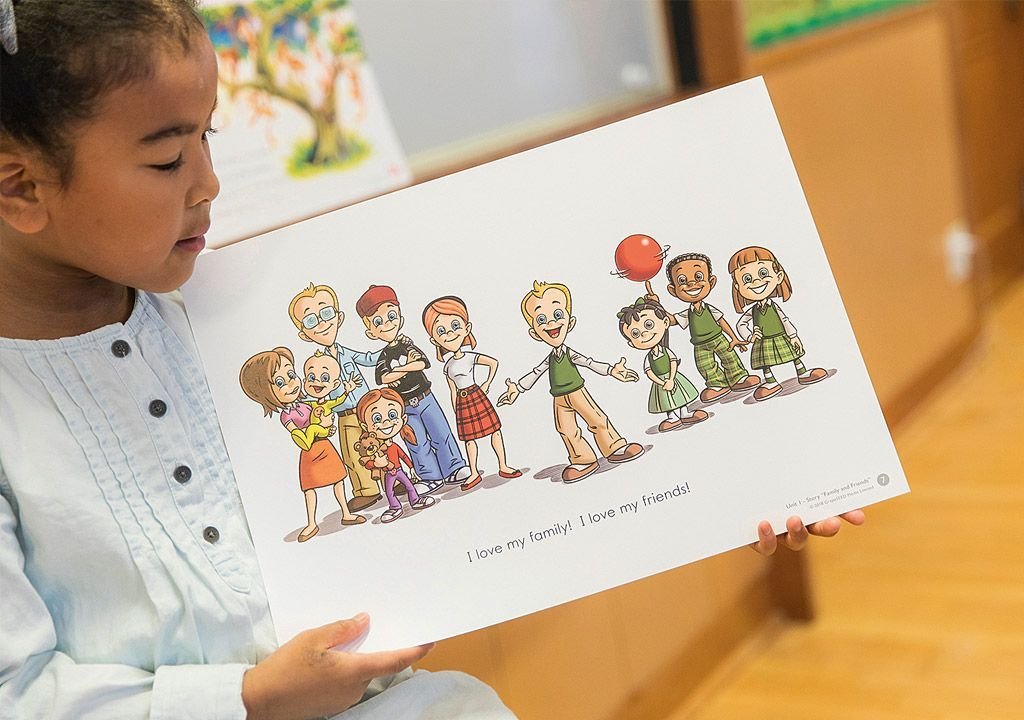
[711, 174]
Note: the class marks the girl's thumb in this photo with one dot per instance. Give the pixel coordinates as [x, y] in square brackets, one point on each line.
[342, 632]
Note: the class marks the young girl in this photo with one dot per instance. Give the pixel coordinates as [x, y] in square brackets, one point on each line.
[129, 584]
[269, 379]
[382, 412]
[757, 277]
[446, 320]
[645, 325]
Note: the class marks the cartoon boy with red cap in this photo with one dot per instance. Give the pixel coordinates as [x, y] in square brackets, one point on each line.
[436, 456]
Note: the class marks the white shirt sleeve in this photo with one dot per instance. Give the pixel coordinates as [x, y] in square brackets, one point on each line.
[39, 681]
[715, 312]
[526, 381]
[744, 326]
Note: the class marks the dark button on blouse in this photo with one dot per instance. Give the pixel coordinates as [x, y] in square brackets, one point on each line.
[157, 408]
[183, 473]
[120, 348]
[211, 534]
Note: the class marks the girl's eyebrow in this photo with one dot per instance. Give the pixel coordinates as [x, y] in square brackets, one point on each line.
[175, 130]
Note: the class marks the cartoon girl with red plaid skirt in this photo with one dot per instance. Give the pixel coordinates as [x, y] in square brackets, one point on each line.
[446, 320]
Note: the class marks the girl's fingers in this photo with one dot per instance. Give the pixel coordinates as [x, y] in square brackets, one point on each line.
[766, 541]
[854, 517]
[796, 534]
[826, 528]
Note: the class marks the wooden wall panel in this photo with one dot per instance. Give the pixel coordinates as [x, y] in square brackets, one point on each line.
[872, 127]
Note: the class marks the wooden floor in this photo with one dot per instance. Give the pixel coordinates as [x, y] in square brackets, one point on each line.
[920, 614]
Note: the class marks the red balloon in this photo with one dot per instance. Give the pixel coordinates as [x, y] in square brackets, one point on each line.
[639, 258]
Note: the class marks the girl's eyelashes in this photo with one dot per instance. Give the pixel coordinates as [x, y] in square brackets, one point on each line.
[180, 160]
[171, 166]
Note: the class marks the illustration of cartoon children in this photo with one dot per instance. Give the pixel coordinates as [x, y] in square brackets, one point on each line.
[400, 367]
[645, 326]
[317, 316]
[269, 379]
[757, 277]
[547, 309]
[382, 413]
[446, 320]
[690, 280]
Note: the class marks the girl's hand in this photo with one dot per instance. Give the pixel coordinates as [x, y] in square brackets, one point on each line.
[486, 387]
[305, 678]
[757, 334]
[669, 384]
[797, 535]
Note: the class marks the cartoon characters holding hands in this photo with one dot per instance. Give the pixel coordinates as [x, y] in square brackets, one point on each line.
[330, 400]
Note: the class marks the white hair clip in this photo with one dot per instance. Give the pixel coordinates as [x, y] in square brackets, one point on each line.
[8, 30]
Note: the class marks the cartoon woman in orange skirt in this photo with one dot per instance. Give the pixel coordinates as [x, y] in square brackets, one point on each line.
[269, 379]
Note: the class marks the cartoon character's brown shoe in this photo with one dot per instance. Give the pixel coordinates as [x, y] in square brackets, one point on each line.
[354, 520]
[304, 536]
[575, 473]
[710, 394]
[361, 502]
[630, 452]
[669, 425]
[815, 375]
[766, 391]
[698, 416]
[748, 383]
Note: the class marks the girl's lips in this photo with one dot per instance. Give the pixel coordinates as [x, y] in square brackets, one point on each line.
[192, 244]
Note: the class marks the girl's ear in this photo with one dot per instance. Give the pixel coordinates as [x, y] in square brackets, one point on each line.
[304, 336]
[469, 329]
[22, 205]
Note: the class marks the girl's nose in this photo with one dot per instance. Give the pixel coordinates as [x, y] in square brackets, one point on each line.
[205, 185]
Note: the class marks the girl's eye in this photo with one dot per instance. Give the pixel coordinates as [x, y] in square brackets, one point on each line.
[635, 332]
[377, 417]
[747, 277]
[456, 325]
[279, 382]
[441, 330]
[763, 273]
[208, 132]
[699, 276]
[325, 378]
[558, 314]
[377, 322]
[392, 316]
[393, 414]
[171, 166]
[291, 374]
[649, 324]
[542, 319]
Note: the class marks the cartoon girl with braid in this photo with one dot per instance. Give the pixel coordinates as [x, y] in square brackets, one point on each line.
[757, 278]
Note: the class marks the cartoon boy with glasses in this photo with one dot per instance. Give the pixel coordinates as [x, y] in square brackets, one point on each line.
[317, 317]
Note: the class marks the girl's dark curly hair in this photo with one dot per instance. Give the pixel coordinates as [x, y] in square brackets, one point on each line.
[70, 54]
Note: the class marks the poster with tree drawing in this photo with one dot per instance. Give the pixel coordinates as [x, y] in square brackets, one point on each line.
[299, 115]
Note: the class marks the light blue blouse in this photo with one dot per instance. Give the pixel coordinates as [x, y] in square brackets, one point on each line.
[129, 586]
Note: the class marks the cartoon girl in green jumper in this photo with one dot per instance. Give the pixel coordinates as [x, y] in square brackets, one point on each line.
[645, 325]
[757, 277]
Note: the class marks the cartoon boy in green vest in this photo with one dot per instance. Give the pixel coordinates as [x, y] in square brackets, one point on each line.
[547, 309]
[714, 342]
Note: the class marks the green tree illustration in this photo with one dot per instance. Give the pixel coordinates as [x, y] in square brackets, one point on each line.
[293, 51]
